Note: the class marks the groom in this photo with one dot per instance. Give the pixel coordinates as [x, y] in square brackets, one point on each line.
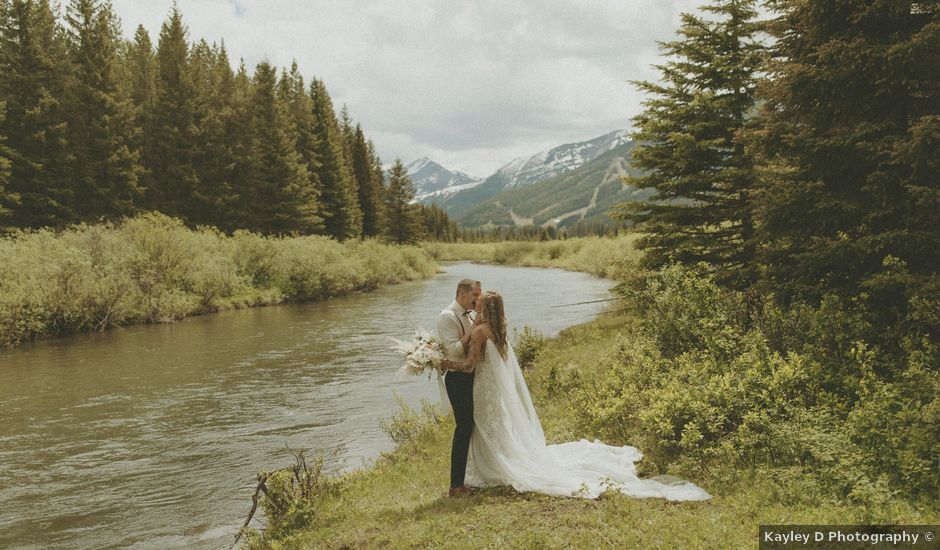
[454, 326]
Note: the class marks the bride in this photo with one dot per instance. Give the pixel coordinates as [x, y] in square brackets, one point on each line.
[507, 446]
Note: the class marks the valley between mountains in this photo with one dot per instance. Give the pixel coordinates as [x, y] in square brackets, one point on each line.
[559, 187]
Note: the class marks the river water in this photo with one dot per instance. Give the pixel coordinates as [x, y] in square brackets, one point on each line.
[151, 436]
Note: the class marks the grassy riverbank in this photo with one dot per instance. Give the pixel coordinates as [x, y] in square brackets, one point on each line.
[398, 503]
[600, 256]
[153, 269]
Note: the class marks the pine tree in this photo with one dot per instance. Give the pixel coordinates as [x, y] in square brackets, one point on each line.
[701, 174]
[104, 168]
[850, 129]
[343, 217]
[370, 192]
[284, 200]
[33, 63]
[141, 75]
[239, 137]
[404, 218]
[8, 200]
[301, 124]
[439, 227]
[170, 159]
[377, 226]
[212, 156]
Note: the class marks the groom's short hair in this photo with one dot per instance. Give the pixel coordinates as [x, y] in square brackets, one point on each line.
[467, 285]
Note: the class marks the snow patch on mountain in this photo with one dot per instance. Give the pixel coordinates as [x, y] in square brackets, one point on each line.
[432, 180]
[558, 160]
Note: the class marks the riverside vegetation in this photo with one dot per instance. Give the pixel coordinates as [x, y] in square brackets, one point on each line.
[601, 256]
[783, 415]
[152, 268]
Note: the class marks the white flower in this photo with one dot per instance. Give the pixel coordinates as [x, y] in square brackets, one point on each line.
[422, 354]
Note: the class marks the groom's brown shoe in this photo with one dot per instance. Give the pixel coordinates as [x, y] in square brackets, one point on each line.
[458, 491]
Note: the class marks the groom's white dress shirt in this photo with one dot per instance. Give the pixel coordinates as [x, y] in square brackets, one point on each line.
[452, 325]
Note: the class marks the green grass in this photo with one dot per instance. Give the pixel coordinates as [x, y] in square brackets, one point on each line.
[600, 256]
[399, 502]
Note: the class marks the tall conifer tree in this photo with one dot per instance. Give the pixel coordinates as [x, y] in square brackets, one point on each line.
[403, 218]
[8, 200]
[302, 125]
[104, 168]
[141, 72]
[33, 59]
[170, 159]
[343, 217]
[284, 199]
[213, 160]
[378, 179]
[370, 190]
[851, 126]
[701, 174]
[240, 139]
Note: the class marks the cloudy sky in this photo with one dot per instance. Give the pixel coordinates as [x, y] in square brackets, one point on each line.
[471, 85]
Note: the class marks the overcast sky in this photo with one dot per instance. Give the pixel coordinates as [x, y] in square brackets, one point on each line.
[471, 85]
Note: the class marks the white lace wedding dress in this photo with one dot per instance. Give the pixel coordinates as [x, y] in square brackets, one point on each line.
[508, 446]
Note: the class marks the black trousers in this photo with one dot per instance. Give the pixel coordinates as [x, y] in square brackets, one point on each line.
[460, 392]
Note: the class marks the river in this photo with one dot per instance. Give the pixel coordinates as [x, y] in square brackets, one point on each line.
[150, 436]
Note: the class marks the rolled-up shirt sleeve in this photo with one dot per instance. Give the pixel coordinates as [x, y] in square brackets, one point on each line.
[449, 333]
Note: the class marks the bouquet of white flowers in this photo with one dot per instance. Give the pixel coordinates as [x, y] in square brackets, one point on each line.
[422, 354]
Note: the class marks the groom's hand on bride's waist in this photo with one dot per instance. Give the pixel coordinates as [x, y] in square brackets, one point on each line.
[461, 366]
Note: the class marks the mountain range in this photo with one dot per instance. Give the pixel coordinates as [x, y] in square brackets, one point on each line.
[559, 186]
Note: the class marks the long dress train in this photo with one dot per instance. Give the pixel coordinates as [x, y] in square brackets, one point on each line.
[508, 446]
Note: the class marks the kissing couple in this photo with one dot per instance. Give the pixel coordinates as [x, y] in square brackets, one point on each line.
[498, 438]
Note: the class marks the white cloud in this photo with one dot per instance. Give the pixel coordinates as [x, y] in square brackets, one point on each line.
[469, 84]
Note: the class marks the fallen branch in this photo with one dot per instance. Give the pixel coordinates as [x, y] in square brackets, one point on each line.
[262, 479]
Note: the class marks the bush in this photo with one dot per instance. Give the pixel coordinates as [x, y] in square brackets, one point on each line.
[152, 268]
[527, 344]
[703, 382]
[409, 425]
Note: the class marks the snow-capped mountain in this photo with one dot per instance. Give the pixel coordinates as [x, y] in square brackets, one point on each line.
[433, 180]
[556, 161]
[526, 171]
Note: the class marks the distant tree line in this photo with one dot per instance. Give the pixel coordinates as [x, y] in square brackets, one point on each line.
[95, 127]
[583, 228]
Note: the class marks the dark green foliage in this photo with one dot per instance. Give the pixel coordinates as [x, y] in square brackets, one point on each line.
[240, 141]
[213, 155]
[369, 183]
[437, 225]
[8, 200]
[404, 218]
[33, 61]
[104, 168]
[700, 172]
[283, 198]
[850, 135]
[301, 124]
[96, 127]
[171, 158]
[378, 174]
[343, 216]
[140, 72]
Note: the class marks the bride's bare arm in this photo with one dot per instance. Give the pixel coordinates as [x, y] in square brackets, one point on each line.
[475, 353]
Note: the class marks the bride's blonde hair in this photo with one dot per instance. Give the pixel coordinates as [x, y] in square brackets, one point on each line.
[494, 314]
